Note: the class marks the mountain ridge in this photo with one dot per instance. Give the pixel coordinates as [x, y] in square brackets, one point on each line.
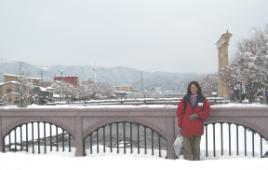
[113, 75]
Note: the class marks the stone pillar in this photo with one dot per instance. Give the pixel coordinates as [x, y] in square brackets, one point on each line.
[170, 137]
[79, 142]
[222, 46]
[1, 137]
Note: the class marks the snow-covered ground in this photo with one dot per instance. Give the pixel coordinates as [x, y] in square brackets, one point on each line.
[21, 161]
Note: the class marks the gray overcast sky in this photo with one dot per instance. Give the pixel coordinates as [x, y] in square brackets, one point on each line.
[162, 35]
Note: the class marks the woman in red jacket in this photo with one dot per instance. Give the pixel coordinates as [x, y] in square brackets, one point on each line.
[192, 111]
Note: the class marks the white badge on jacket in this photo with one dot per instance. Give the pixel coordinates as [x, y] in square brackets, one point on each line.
[200, 103]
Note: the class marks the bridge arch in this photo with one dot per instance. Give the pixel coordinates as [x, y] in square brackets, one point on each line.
[37, 136]
[102, 122]
[122, 135]
[242, 122]
[233, 137]
[19, 121]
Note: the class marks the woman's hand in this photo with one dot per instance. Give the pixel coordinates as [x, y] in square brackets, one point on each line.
[194, 116]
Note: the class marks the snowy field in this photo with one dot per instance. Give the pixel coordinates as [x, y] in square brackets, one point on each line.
[21, 161]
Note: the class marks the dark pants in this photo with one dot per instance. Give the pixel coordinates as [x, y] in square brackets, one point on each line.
[191, 148]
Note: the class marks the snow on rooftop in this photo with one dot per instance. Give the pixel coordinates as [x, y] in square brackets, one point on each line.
[15, 75]
[44, 89]
[22, 161]
[14, 82]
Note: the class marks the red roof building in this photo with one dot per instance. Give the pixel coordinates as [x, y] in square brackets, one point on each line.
[73, 80]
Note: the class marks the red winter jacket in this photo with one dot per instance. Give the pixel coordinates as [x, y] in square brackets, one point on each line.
[194, 127]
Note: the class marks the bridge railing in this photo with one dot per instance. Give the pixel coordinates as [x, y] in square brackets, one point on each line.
[141, 130]
[139, 101]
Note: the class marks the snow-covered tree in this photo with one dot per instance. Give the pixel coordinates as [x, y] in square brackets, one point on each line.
[25, 85]
[92, 90]
[209, 84]
[250, 65]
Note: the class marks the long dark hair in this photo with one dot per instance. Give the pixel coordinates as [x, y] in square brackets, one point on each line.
[199, 91]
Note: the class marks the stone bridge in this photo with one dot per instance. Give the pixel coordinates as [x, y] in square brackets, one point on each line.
[81, 121]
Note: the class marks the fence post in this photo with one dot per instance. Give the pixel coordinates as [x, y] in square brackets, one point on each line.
[170, 137]
[264, 96]
[79, 142]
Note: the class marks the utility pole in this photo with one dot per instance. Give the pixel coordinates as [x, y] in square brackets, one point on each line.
[21, 85]
[141, 81]
[142, 88]
[41, 78]
[89, 73]
[20, 68]
[95, 74]
[61, 84]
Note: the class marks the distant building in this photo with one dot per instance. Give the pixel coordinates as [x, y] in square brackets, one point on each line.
[124, 88]
[123, 91]
[42, 95]
[12, 77]
[9, 91]
[72, 80]
[172, 94]
[87, 82]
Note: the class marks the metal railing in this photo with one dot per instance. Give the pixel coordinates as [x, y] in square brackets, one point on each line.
[38, 137]
[134, 138]
[126, 137]
[139, 101]
[232, 139]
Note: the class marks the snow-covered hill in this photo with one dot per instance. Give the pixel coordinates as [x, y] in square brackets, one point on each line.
[114, 75]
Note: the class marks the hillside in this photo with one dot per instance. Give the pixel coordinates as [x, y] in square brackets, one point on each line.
[114, 75]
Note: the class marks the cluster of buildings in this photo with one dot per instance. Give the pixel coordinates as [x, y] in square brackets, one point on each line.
[10, 88]
[25, 90]
[16, 89]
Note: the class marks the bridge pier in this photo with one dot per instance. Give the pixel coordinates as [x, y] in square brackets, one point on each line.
[1, 137]
[79, 141]
[1, 144]
[170, 137]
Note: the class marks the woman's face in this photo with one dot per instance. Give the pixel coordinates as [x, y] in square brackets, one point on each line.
[194, 89]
